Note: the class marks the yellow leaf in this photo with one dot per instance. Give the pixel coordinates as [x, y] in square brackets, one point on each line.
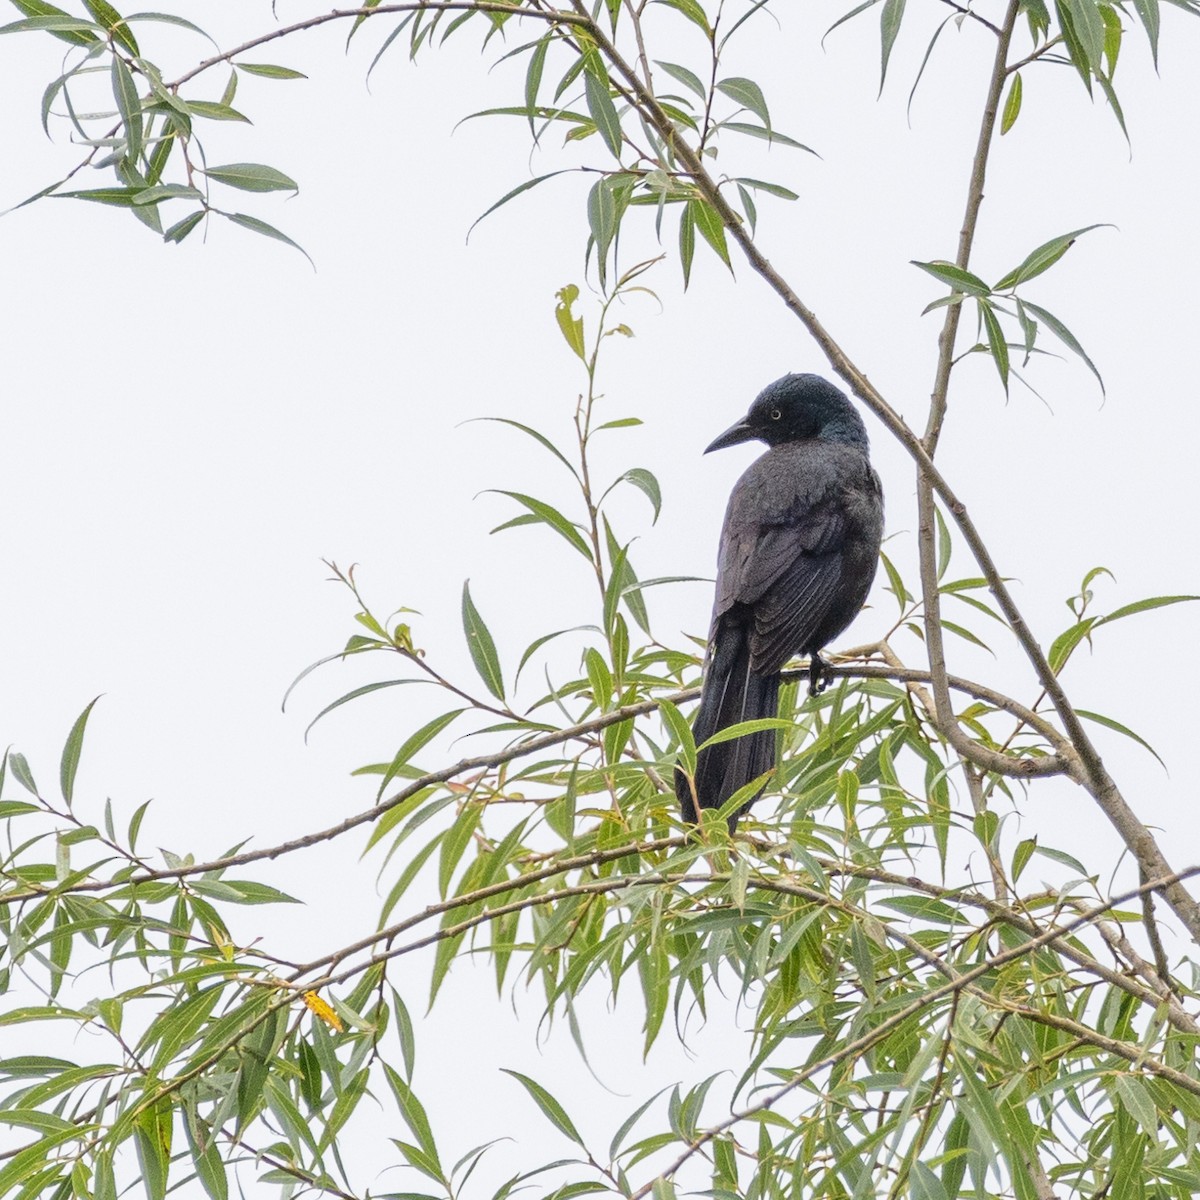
[319, 1008]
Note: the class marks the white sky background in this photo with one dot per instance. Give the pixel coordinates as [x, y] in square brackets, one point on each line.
[189, 430]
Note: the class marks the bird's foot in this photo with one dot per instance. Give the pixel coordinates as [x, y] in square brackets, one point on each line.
[819, 675]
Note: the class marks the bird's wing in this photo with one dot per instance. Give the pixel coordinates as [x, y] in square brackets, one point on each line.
[781, 555]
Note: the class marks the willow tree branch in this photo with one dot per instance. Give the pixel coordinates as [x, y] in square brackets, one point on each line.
[1013, 766]
[1092, 773]
[1135, 1054]
[554, 16]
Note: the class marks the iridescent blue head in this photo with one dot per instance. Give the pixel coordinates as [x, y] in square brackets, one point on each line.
[797, 408]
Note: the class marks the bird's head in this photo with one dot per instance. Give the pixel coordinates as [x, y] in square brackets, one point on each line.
[796, 408]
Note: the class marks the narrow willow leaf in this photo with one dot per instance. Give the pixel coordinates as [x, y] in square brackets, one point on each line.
[553, 1111]
[692, 10]
[1146, 605]
[773, 189]
[552, 517]
[603, 112]
[1147, 10]
[647, 484]
[533, 77]
[689, 79]
[997, 346]
[711, 227]
[766, 135]
[923, 1184]
[955, 277]
[687, 243]
[181, 229]
[104, 14]
[218, 112]
[1089, 27]
[1012, 105]
[1022, 854]
[481, 645]
[1042, 259]
[71, 752]
[1076, 50]
[748, 94]
[253, 223]
[524, 187]
[129, 105]
[412, 1110]
[889, 26]
[44, 17]
[270, 71]
[602, 221]
[167, 191]
[252, 177]
[19, 767]
[417, 741]
[1065, 336]
[1112, 38]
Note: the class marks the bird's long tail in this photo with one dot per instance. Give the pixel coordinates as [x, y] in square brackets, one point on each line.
[732, 693]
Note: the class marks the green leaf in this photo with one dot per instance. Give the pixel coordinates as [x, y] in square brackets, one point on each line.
[1117, 727]
[256, 226]
[1041, 259]
[773, 189]
[44, 17]
[481, 645]
[129, 105]
[421, 738]
[1065, 336]
[570, 325]
[889, 26]
[955, 277]
[603, 112]
[1089, 27]
[923, 1184]
[19, 767]
[206, 1158]
[687, 242]
[1012, 105]
[602, 221]
[689, 79]
[413, 1112]
[70, 755]
[647, 484]
[167, 191]
[533, 77]
[692, 10]
[219, 112]
[765, 135]
[748, 94]
[550, 1107]
[1147, 10]
[1022, 855]
[269, 71]
[524, 187]
[181, 229]
[1139, 606]
[711, 227]
[552, 517]
[252, 177]
[997, 346]
[104, 14]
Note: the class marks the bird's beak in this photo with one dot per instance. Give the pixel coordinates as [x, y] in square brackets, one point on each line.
[741, 432]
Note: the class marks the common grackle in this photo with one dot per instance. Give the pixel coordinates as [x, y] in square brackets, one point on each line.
[798, 553]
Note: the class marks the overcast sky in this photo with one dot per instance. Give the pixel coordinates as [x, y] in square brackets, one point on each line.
[189, 430]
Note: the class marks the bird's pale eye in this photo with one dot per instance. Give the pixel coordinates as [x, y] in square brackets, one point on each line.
[775, 414]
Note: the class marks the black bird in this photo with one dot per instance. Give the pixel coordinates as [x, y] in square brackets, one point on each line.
[798, 553]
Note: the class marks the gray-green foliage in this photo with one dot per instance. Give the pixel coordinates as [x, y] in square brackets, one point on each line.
[914, 1033]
